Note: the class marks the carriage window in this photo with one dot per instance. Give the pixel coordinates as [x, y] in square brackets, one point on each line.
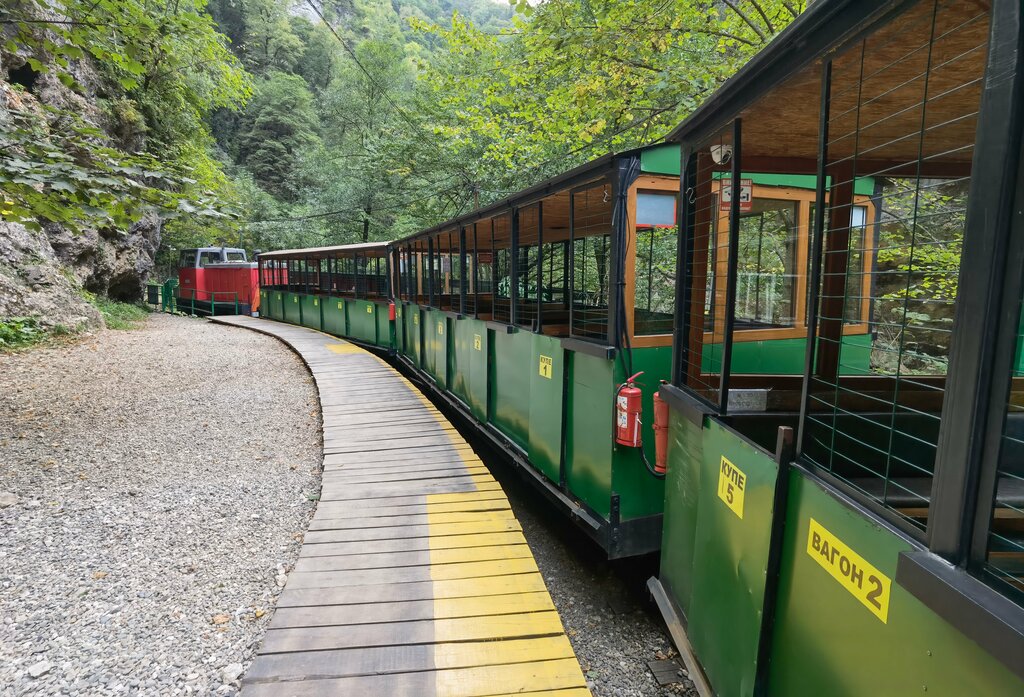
[914, 136]
[655, 278]
[766, 272]
[590, 254]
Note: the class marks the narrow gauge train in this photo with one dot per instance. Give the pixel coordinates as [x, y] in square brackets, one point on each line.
[833, 523]
[217, 281]
[532, 314]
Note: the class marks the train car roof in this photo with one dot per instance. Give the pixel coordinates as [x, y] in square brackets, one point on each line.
[823, 25]
[654, 159]
[317, 252]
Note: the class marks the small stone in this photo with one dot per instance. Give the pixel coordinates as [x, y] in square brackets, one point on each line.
[281, 580]
[8, 499]
[231, 673]
[39, 669]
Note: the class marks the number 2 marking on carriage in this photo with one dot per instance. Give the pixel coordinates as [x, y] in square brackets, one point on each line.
[477, 342]
[864, 582]
[731, 485]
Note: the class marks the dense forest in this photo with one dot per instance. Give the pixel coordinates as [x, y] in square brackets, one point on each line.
[276, 123]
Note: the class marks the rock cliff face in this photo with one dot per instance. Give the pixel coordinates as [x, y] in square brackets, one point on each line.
[43, 273]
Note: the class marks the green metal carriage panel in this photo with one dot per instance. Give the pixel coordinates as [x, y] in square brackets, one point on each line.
[334, 316]
[278, 304]
[787, 356]
[362, 321]
[414, 336]
[734, 515]
[311, 316]
[435, 346]
[640, 494]
[546, 383]
[588, 438]
[511, 358]
[460, 360]
[682, 498]
[384, 338]
[400, 330]
[292, 308]
[827, 640]
[265, 304]
[478, 387]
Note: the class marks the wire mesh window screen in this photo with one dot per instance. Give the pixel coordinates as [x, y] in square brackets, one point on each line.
[655, 263]
[527, 252]
[709, 203]
[904, 105]
[590, 234]
[502, 235]
[484, 266]
[1004, 562]
[469, 268]
[767, 273]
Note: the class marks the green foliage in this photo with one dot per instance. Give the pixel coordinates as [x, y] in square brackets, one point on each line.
[165, 68]
[117, 315]
[278, 124]
[20, 332]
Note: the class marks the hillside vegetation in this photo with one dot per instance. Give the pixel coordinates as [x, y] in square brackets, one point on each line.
[142, 127]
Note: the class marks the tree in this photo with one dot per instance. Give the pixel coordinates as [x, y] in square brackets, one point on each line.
[279, 123]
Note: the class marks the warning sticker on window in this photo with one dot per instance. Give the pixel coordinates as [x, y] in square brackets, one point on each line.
[864, 582]
[732, 484]
[546, 366]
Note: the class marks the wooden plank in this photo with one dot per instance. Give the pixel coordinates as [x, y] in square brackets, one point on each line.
[380, 660]
[455, 588]
[418, 500]
[323, 523]
[490, 628]
[411, 544]
[325, 532]
[428, 557]
[345, 479]
[539, 677]
[447, 486]
[439, 463]
[332, 509]
[409, 574]
[414, 610]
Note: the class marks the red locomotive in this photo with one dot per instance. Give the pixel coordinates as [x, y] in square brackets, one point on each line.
[217, 281]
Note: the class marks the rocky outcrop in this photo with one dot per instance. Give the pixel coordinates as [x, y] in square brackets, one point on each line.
[44, 273]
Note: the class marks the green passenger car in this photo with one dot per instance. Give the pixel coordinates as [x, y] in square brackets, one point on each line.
[846, 516]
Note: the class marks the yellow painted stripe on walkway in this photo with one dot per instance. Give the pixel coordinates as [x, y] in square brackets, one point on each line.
[524, 627]
[345, 348]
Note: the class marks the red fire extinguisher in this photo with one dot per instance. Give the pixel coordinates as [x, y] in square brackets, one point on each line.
[660, 434]
[391, 311]
[627, 413]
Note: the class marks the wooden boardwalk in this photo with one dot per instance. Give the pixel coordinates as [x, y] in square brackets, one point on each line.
[414, 578]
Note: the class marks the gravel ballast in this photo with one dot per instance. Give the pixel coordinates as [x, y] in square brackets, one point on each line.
[154, 488]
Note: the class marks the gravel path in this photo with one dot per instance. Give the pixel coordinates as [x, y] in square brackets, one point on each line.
[613, 626]
[162, 483]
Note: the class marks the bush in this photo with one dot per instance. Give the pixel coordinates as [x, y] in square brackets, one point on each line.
[18, 332]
